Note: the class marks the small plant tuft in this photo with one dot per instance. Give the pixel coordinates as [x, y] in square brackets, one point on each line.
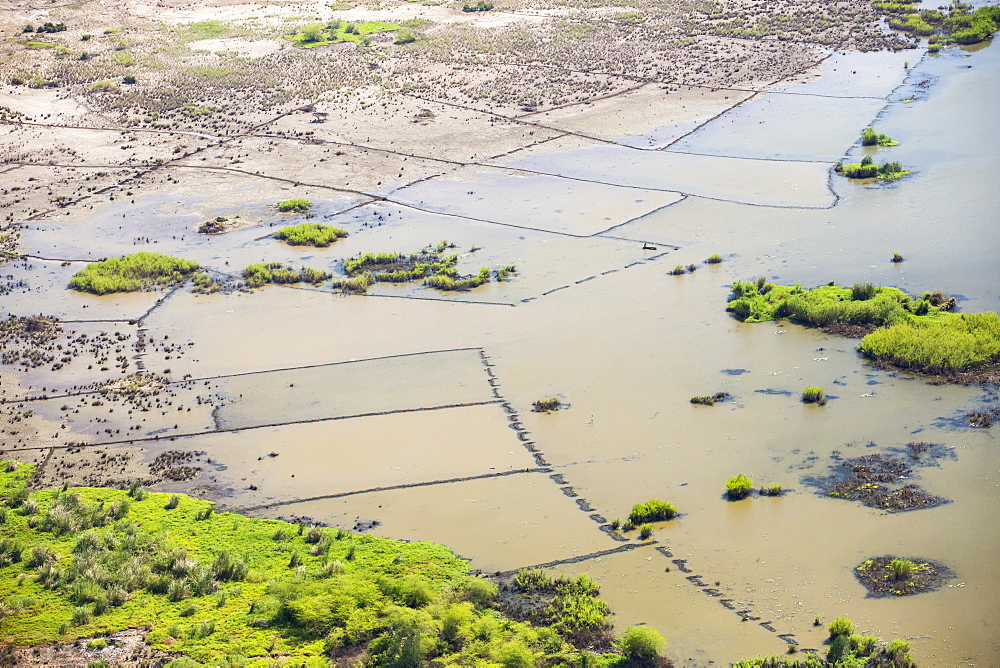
[739, 486]
[814, 395]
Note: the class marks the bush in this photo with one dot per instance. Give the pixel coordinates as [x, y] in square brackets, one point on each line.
[132, 273]
[814, 395]
[645, 531]
[546, 405]
[901, 568]
[310, 234]
[641, 643]
[739, 486]
[775, 489]
[652, 511]
[944, 345]
[294, 205]
[841, 626]
[714, 259]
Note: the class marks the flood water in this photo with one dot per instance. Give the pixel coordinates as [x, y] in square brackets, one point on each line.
[359, 399]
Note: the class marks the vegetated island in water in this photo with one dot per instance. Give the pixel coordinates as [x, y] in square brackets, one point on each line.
[897, 331]
[898, 576]
[84, 562]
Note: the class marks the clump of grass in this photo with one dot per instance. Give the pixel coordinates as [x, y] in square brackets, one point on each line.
[645, 531]
[294, 205]
[841, 626]
[715, 258]
[944, 345]
[901, 568]
[709, 400]
[896, 257]
[774, 489]
[679, 270]
[871, 138]
[814, 395]
[546, 405]
[356, 284]
[310, 234]
[132, 273]
[867, 169]
[262, 273]
[739, 486]
[651, 511]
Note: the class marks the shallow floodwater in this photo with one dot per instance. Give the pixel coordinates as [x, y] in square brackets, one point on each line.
[411, 410]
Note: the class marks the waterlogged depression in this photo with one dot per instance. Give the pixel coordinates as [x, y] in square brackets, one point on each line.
[408, 412]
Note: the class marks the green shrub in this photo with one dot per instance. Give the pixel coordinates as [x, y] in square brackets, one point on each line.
[546, 405]
[263, 273]
[310, 234]
[132, 273]
[841, 626]
[739, 486]
[901, 568]
[645, 531]
[641, 643]
[814, 395]
[715, 258]
[294, 205]
[944, 345]
[652, 511]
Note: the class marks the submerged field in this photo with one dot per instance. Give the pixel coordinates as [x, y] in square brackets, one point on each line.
[461, 279]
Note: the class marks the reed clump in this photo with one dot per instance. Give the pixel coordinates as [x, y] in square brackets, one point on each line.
[652, 511]
[310, 234]
[132, 273]
[814, 395]
[739, 486]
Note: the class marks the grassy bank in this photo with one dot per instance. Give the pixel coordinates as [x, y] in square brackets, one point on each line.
[84, 562]
[132, 273]
[919, 334]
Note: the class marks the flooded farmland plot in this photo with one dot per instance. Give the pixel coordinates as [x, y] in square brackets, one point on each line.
[518, 329]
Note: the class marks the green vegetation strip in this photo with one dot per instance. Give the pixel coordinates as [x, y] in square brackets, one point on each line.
[958, 24]
[132, 273]
[83, 562]
[319, 34]
[310, 234]
[918, 334]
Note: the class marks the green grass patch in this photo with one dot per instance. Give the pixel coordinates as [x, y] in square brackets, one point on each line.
[871, 138]
[38, 45]
[262, 273]
[319, 34]
[958, 24]
[310, 234]
[653, 510]
[294, 205]
[921, 334]
[959, 342]
[132, 273]
[83, 562]
[814, 395]
[867, 169]
[739, 486]
[433, 264]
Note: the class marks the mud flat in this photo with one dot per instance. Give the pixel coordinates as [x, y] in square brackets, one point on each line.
[595, 153]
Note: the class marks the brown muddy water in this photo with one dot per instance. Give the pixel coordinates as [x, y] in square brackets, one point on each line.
[408, 412]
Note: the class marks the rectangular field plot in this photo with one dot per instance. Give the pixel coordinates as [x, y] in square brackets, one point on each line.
[501, 523]
[342, 456]
[352, 388]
